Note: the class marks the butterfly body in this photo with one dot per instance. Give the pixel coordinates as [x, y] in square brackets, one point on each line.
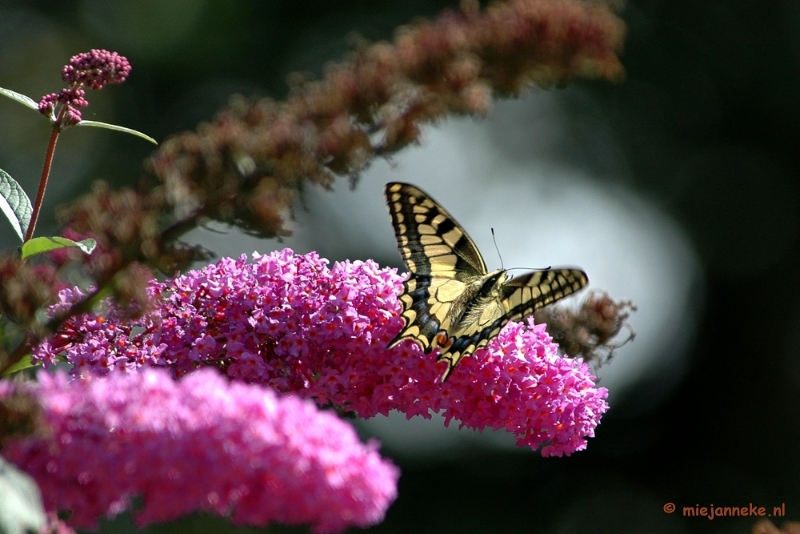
[450, 301]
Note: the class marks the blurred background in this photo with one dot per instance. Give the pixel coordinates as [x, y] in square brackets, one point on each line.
[677, 188]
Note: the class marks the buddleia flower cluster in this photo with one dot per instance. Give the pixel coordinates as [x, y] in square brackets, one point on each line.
[202, 444]
[290, 322]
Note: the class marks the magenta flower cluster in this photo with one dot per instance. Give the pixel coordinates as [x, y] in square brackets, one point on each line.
[198, 444]
[93, 70]
[289, 322]
[293, 324]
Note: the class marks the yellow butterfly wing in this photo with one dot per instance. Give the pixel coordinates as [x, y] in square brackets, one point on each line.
[442, 259]
[450, 301]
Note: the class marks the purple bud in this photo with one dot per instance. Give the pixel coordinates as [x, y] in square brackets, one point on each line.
[96, 68]
[48, 103]
[71, 117]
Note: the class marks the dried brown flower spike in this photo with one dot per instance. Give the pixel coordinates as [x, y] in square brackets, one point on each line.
[247, 166]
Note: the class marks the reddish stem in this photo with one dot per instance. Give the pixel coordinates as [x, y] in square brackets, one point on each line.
[48, 162]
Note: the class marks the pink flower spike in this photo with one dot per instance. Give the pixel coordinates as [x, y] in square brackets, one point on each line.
[292, 323]
[199, 444]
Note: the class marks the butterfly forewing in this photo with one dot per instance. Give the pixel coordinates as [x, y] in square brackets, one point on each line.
[437, 252]
[450, 301]
[427, 234]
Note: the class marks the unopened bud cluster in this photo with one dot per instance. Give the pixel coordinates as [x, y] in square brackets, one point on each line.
[93, 70]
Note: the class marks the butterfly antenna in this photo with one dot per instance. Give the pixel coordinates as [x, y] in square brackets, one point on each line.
[497, 249]
[514, 268]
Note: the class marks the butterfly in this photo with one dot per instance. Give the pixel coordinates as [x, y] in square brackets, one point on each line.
[450, 301]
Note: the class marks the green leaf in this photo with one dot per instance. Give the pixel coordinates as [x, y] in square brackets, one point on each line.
[38, 245]
[22, 99]
[24, 363]
[117, 128]
[15, 204]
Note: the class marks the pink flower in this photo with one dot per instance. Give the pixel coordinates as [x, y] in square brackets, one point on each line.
[290, 322]
[199, 444]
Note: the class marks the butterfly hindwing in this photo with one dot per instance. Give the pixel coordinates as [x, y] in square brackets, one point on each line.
[450, 301]
[519, 297]
[473, 335]
[527, 293]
